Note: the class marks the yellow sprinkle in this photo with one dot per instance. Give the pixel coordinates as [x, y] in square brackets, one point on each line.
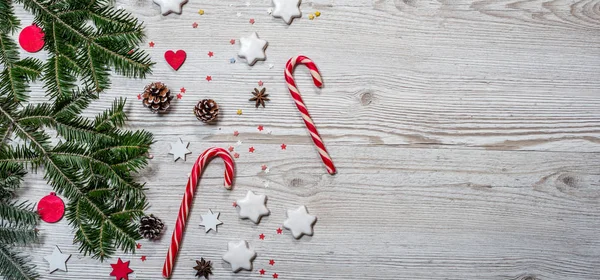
[311, 16]
[201, 12]
[317, 13]
[239, 111]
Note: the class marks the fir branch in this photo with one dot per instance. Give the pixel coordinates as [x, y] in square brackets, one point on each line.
[18, 214]
[14, 265]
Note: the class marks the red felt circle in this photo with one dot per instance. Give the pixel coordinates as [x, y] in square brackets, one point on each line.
[51, 208]
[31, 38]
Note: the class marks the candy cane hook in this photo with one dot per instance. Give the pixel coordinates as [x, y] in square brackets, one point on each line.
[310, 125]
[188, 197]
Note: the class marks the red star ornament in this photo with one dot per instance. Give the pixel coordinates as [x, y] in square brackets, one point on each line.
[121, 270]
[138, 246]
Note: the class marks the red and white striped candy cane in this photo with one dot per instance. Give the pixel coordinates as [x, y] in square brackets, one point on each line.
[310, 125]
[188, 197]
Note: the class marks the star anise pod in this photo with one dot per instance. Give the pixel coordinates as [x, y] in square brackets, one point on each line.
[204, 268]
[260, 97]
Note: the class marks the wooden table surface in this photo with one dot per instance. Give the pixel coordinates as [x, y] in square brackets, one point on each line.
[466, 136]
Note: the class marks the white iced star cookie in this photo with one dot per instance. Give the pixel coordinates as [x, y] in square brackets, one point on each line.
[287, 10]
[299, 222]
[239, 256]
[57, 260]
[179, 150]
[253, 207]
[252, 48]
[170, 6]
[210, 221]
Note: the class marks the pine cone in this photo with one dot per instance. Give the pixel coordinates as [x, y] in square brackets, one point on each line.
[206, 110]
[151, 227]
[157, 97]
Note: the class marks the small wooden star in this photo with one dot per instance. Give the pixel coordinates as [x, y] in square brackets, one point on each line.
[209, 78]
[260, 97]
[121, 270]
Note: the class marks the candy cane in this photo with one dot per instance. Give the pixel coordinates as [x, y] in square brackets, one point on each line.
[188, 196]
[310, 125]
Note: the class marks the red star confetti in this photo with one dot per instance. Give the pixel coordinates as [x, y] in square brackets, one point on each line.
[151, 44]
[261, 128]
[279, 231]
[263, 167]
[275, 275]
[230, 148]
[232, 41]
[251, 21]
[262, 272]
[139, 96]
[179, 96]
[261, 236]
[283, 146]
[251, 149]
[236, 155]
[272, 262]
[260, 83]
[195, 25]
[143, 258]
[182, 90]
[138, 246]
[130, 51]
[236, 133]
[209, 78]
[234, 204]
[121, 270]
[210, 54]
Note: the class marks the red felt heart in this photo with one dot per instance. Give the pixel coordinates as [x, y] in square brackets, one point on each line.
[175, 59]
[31, 38]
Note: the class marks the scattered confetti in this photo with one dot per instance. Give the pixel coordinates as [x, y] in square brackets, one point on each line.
[261, 128]
[271, 66]
[267, 170]
[232, 60]
[236, 155]
[252, 21]
[201, 12]
[239, 14]
[234, 204]
[275, 275]
[195, 25]
[266, 184]
[279, 231]
[263, 167]
[121, 270]
[151, 44]
[261, 236]
[239, 111]
[269, 11]
[247, 4]
[230, 148]
[209, 78]
[143, 258]
[179, 96]
[311, 16]
[138, 246]
[239, 142]
[139, 97]
[260, 83]
[182, 90]
[236, 133]
[317, 13]
[211, 54]
[272, 262]
[262, 272]
[232, 41]
[251, 149]
[283, 146]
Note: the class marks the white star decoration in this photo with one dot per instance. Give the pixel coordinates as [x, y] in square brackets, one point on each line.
[252, 48]
[170, 6]
[286, 10]
[57, 260]
[179, 150]
[210, 221]
[253, 207]
[299, 222]
[239, 256]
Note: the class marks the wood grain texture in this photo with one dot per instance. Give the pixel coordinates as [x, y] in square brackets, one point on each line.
[466, 134]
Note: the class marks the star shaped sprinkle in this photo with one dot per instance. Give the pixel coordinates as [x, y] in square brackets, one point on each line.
[272, 262]
[201, 12]
[170, 6]
[239, 256]
[138, 246]
[251, 149]
[232, 60]
[279, 231]
[179, 96]
[121, 270]
[286, 10]
[311, 16]
[211, 54]
[261, 128]
[252, 21]
[209, 78]
[182, 90]
[139, 96]
[236, 133]
[283, 146]
[269, 11]
[252, 48]
[234, 204]
[210, 221]
[262, 272]
[143, 258]
[231, 148]
[247, 4]
[317, 13]
[238, 14]
[239, 142]
[151, 44]
[299, 222]
[179, 150]
[239, 111]
[263, 167]
[275, 275]
[271, 66]
[57, 260]
[260, 83]
[267, 184]
[232, 41]
[253, 207]
[261, 236]
[195, 25]
[236, 155]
